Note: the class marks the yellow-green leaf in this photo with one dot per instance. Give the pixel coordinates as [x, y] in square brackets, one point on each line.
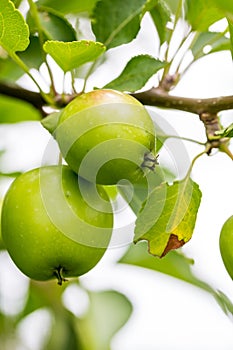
[227, 132]
[168, 216]
[14, 32]
[70, 55]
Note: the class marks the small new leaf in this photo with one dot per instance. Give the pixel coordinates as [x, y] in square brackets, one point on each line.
[14, 32]
[168, 216]
[70, 55]
[228, 132]
[136, 73]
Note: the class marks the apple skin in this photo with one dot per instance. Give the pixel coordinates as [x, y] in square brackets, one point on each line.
[39, 209]
[1, 241]
[226, 245]
[104, 135]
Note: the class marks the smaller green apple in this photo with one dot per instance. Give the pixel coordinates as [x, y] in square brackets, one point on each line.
[52, 230]
[1, 241]
[226, 245]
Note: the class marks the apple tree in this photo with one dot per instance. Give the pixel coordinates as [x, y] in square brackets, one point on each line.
[106, 102]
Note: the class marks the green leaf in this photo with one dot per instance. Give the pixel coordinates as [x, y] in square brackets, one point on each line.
[35, 300]
[220, 45]
[227, 132]
[42, 295]
[109, 311]
[54, 26]
[70, 6]
[15, 174]
[201, 14]
[172, 4]
[111, 191]
[224, 302]
[117, 22]
[217, 42]
[226, 6]
[136, 73]
[161, 136]
[14, 33]
[168, 216]
[66, 333]
[17, 2]
[174, 264]
[135, 194]
[9, 70]
[2, 151]
[33, 55]
[70, 55]
[51, 121]
[13, 110]
[161, 15]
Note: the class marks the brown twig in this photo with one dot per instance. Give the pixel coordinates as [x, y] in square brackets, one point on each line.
[33, 98]
[160, 98]
[153, 97]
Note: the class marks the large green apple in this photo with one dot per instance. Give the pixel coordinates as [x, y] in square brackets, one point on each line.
[106, 136]
[55, 224]
[226, 245]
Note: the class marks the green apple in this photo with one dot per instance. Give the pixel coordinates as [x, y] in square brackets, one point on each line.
[55, 224]
[226, 245]
[1, 241]
[106, 136]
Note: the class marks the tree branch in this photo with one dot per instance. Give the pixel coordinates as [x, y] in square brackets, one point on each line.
[153, 97]
[159, 98]
[34, 98]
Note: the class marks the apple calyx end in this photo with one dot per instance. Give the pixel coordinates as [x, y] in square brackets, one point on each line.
[58, 274]
[150, 161]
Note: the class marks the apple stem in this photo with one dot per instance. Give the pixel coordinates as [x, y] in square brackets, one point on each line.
[58, 274]
[150, 161]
